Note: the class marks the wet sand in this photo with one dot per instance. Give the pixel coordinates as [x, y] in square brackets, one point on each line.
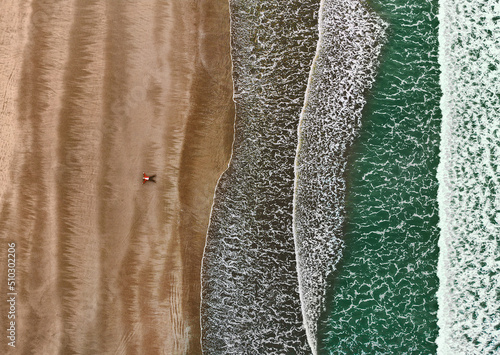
[93, 94]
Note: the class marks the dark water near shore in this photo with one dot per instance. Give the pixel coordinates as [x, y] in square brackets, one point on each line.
[250, 290]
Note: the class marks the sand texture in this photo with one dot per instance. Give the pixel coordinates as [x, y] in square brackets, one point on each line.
[93, 93]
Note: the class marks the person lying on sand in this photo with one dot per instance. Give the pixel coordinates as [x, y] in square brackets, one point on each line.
[148, 178]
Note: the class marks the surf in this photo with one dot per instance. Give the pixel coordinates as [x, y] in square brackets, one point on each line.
[344, 67]
[468, 268]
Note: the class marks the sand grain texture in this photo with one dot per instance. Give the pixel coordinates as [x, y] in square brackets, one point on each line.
[93, 94]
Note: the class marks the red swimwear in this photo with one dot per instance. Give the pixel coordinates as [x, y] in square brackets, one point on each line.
[148, 178]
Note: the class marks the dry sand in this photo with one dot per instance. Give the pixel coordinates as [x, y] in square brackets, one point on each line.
[93, 94]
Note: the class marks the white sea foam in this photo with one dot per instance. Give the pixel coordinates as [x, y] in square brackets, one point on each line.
[342, 71]
[469, 190]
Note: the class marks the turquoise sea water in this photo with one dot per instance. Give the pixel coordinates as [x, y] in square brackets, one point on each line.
[383, 299]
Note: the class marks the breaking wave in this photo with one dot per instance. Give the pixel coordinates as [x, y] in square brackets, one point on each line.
[343, 70]
[469, 199]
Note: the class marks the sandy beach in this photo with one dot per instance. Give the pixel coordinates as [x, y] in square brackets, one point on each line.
[93, 94]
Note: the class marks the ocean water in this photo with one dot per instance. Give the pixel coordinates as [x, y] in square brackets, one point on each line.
[360, 211]
[469, 188]
[250, 297]
[382, 298]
